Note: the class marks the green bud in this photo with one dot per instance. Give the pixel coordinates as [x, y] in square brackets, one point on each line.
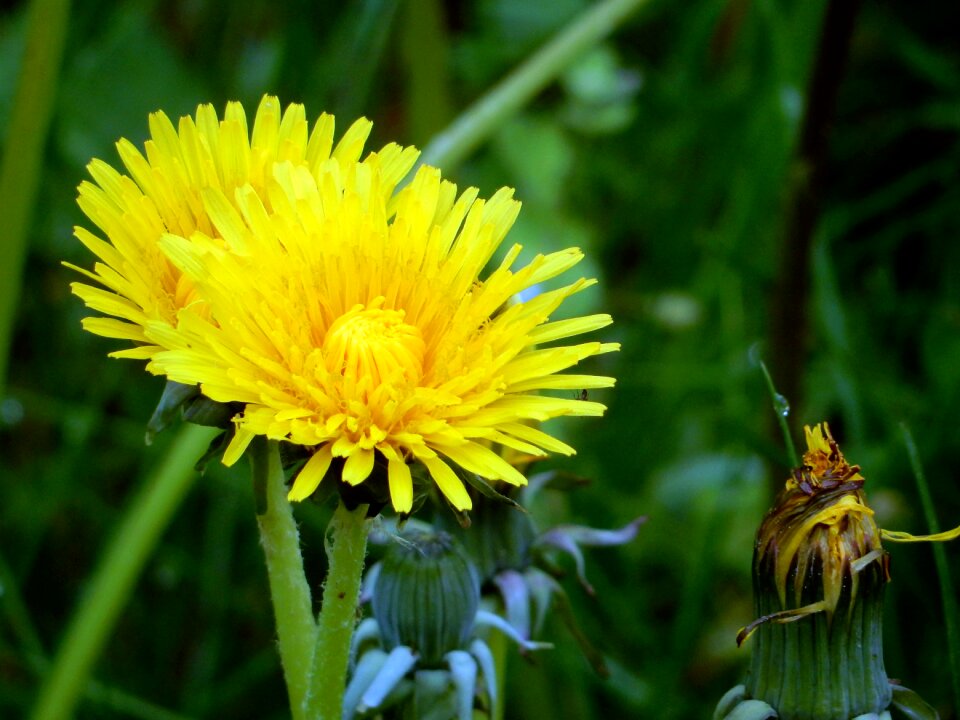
[426, 596]
[825, 660]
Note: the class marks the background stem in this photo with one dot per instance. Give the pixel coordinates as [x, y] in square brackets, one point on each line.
[947, 594]
[789, 316]
[23, 154]
[781, 407]
[478, 121]
[113, 582]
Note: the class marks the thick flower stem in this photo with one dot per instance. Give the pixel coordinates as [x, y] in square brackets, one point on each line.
[292, 604]
[346, 546]
[498, 648]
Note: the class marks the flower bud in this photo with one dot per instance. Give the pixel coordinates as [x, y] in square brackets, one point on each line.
[819, 573]
[426, 596]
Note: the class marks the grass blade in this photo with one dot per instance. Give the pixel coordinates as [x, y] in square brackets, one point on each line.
[948, 594]
[23, 154]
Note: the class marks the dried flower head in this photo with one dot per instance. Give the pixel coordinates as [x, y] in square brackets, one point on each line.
[819, 574]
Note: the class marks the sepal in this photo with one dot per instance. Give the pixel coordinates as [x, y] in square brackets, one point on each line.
[187, 402]
[171, 400]
[907, 705]
[735, 705]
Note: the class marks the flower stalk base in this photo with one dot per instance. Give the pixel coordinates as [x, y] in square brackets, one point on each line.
[823, 666]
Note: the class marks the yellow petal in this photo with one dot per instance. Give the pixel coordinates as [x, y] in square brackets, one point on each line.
[484, 462]
[238, 444]
[310, 476]
[905, 537]
[401, 485]
[448, 482]
[358, 466]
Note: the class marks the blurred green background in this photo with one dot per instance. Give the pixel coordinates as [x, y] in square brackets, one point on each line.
[672, 155]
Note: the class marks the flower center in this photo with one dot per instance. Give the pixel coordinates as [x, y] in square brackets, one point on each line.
[371, 342]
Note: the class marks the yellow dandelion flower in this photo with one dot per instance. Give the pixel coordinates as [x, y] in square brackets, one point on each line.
[350, 317]
[163, 192]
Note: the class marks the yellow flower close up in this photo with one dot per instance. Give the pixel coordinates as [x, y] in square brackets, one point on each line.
[348, 316]
[163, 192]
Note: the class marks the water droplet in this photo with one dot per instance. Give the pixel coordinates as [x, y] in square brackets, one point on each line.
[781, 404]
[11, 411]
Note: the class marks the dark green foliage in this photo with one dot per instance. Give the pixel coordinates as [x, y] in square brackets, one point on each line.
[667, 156]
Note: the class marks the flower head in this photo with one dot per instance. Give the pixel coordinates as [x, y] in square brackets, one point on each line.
[163, 192]
[820, 526]
[347, 316]
[818, 538]
[819, 574]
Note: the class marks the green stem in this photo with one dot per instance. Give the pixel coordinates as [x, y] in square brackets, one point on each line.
[113, 582]
[782, 408]
[475, 124]
[23, 153]
[289, 591]
[425, 52]
[947, 595]
[346, 545]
